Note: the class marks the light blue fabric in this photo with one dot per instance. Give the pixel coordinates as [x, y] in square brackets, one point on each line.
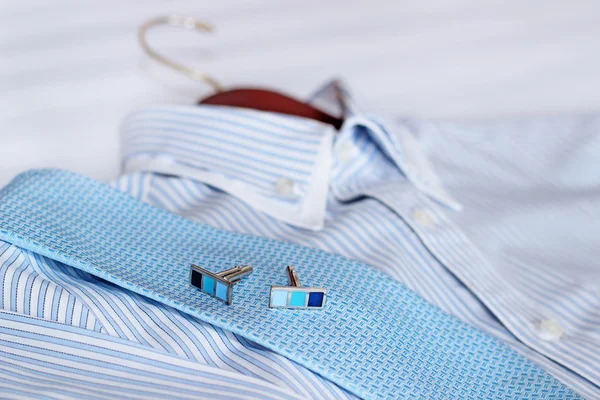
[414, 350]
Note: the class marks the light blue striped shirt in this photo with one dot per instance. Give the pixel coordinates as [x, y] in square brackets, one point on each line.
[495, 222]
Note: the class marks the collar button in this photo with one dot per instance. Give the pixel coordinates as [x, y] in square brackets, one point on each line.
[286, 187]
[423, 217]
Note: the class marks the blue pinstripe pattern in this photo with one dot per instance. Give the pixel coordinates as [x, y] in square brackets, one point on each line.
[369, 218]
[179, 133]
[37, 355]
[414, 349]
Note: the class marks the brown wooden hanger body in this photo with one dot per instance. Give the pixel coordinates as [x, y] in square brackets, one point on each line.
[268, 100]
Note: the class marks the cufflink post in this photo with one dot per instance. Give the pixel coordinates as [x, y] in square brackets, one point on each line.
[295, 295]
[235, 274]
[293, 276]
[218, 285]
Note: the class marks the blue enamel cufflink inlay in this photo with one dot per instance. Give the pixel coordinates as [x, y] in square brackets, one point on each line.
[218, 285]
[296, 296]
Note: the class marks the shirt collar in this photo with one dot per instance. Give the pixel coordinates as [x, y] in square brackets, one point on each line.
[278, 164]
[398, 143]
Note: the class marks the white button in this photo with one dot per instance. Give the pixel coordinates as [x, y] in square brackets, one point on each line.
[550, 330]
[423, 217]
[347, 152]
[285, 186]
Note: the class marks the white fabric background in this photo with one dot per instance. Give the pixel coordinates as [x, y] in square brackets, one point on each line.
[70, 70]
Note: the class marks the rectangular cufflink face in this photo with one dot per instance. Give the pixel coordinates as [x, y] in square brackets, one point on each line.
[297, 297]
[211, 284]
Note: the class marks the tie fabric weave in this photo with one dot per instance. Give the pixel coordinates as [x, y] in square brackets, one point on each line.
[374, 337]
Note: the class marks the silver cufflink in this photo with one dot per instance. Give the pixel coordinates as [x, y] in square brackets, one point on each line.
[218, 285]
[296, 296]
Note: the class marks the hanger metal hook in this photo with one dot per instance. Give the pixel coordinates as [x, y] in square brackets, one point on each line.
[179, 21]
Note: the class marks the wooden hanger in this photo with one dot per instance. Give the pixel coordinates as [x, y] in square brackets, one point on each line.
[253, 98]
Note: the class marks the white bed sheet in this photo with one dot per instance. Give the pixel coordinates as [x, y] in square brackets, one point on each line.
[70, 70]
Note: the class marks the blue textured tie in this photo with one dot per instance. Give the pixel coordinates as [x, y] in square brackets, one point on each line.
[375, 337]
